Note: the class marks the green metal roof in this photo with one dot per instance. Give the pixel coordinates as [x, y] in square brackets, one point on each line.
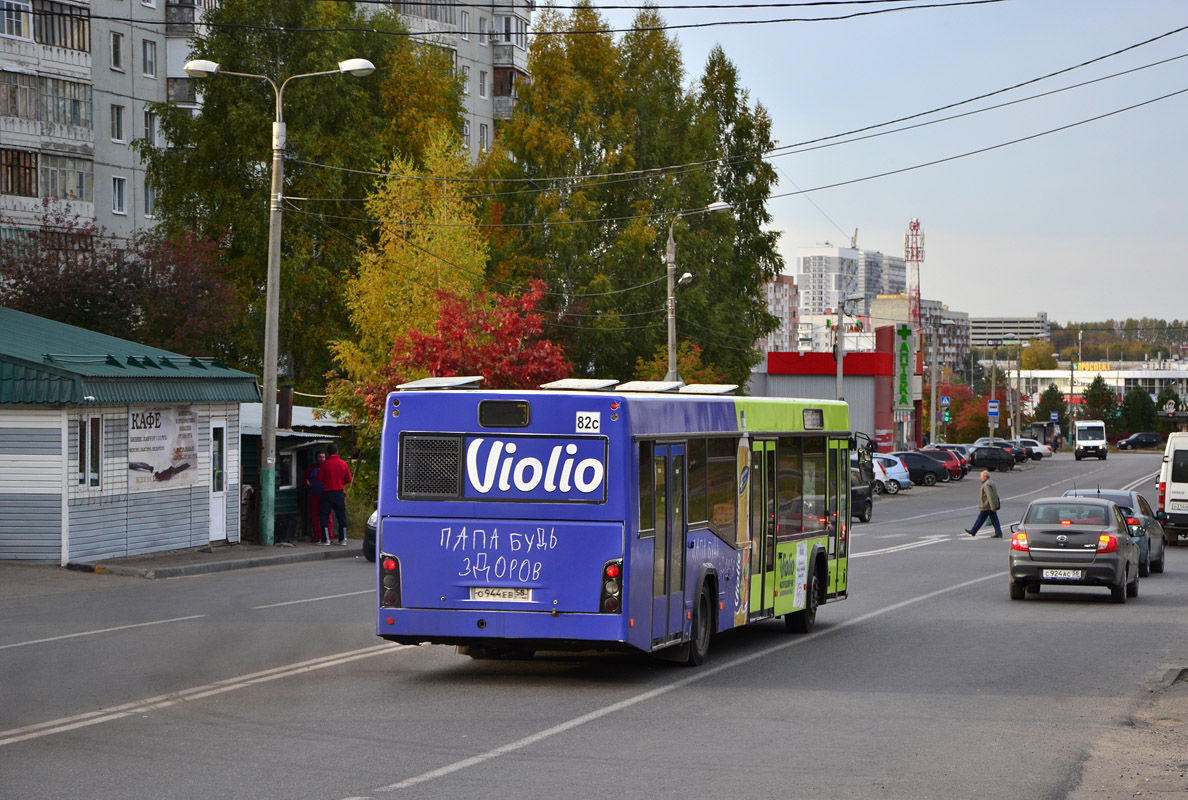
[44, 362]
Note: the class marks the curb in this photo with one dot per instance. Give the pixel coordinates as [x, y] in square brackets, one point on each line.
[153, 573]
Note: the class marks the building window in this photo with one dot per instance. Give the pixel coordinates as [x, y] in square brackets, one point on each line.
[18, 95]
[150, 200]
[466, 135]
[150, 127]
[483, 31]
[117, 123]
[61, 25]
[65, 178]
[90, 451]
[119, 195]
[18, 173]
[465, 80]
[117, 51]
[148, 52]
[16, 18]
[483, 140]
[464, 24]
[66, 103]
[428, 9]
[512, 30]
[482, 83]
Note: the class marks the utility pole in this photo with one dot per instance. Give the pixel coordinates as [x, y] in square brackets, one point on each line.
[932, 401]
[993, 385]
[841, 345]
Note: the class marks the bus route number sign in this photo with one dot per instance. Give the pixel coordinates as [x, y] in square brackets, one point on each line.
[589, 421]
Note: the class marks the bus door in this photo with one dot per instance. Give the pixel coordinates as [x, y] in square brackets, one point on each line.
[763, 528]
[839, 514]
[668, 557]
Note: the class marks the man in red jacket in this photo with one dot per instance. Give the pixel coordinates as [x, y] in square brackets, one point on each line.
[335, 475]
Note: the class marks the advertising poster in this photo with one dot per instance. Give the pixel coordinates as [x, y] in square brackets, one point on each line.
[162, 447]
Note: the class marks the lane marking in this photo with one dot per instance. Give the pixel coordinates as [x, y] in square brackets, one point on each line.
[101, 630]
[702, 674]
[159, 702]
[314, 599]
[899, 548]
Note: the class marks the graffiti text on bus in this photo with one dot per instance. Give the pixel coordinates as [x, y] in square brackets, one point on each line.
[495, 556]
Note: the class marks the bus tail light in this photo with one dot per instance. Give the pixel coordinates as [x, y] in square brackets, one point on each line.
[1107, 544]
[1162, 488]
[612, 587]
[389, 582]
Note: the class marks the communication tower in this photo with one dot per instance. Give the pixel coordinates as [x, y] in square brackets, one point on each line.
[913, 247]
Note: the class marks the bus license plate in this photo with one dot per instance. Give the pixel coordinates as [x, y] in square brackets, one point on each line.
[1062, 574]
[1179, 506]
[504, 593]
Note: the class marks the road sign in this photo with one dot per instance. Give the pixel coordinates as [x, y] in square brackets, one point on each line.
[944, 400]
[1054, 417]
[992, 408]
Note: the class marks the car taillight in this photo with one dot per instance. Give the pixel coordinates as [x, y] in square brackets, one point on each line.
[612, 587]
[1107, 543]
[1019, 541]
[1132, 522]
[389, 582]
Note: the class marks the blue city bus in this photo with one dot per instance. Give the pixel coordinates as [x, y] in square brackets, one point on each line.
[514, 522]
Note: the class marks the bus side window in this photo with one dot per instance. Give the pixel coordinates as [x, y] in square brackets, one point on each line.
[698, 508]
[722, 480]
[647, 513]
[815, 511]
[790, 486]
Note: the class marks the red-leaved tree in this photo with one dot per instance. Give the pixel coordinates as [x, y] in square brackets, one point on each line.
[492, 335]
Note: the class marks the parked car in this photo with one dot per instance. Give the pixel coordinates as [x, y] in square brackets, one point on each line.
[1136, 441]
[949, 459]
[991, 458]
[962, 453]
[1147, 532]
[861, 504]
[924, 470]
[1019, 453]
[1034, 448]
[1073, 541]
[898, 476]
[369, 535]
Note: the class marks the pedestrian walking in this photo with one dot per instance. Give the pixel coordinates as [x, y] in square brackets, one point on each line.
[335, 475]
[987, 507]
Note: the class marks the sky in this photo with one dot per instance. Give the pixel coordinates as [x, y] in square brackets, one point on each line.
[1084, 224]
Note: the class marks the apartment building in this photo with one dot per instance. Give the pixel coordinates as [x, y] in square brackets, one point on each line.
[489, 42]
[782, 303]
[824, 276]
[951, 327]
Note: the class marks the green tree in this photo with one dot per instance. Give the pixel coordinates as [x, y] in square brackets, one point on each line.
[597, 109]
[1138, 412]
[1101, 402]
[1051, 400]
[213, 181]
[1169, 394]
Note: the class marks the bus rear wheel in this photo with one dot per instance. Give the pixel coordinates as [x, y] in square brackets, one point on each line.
[803, 621]
[700, 630]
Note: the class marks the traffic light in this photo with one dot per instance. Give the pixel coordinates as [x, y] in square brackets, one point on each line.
[946, 415]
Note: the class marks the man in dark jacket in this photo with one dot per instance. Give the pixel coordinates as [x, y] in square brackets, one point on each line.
[335, 474]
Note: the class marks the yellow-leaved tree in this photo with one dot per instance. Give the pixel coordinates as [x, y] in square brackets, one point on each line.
[427, 242]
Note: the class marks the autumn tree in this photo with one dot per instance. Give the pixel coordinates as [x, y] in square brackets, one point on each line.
[213, 181]
[606, 149]
[156, 290]
[689, 365]
[1039, 355]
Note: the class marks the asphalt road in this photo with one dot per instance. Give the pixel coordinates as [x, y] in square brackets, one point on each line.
[928, 682]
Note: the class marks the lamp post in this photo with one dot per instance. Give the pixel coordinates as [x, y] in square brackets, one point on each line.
[841, 340]
[670, 262]
[201, 68]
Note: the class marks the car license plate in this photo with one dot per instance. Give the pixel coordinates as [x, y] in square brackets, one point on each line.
[1179, 506]
[504, 593]
[1063, 574]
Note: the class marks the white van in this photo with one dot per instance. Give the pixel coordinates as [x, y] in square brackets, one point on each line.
[1173, 486]
[1089, 438]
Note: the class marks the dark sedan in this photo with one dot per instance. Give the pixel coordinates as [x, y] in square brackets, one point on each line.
[1136, 441]
[369, 536]
[992, 458]
[1073, 541]
[861, 504]
[1146, 530]
[924, 470]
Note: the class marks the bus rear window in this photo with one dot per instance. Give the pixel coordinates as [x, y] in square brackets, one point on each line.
[504, 413]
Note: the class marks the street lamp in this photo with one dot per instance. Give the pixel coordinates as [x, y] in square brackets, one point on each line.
[841, 337]
[670, 262]
[201, 68]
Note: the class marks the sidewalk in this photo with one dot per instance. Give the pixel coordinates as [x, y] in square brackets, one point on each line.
[217, 557]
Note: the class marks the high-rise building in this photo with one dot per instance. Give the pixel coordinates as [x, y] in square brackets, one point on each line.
[825, 275]
[781, 302]
[984, 330]
[951, 327]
